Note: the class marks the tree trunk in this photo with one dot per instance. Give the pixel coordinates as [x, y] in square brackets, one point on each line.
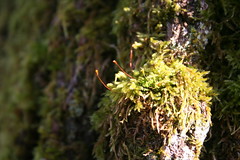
[158, 105]
[141, 116]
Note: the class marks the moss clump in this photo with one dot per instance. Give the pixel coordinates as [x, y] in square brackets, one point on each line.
[141, 112]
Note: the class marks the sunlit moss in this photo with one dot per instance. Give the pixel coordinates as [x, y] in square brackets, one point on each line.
[165, 96]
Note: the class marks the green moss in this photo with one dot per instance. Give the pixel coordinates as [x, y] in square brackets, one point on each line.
[50, 50]
[222, 61]
[49, 53]
[165, 96]
[139, 21]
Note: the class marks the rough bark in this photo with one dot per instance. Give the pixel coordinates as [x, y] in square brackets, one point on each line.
[182, 31]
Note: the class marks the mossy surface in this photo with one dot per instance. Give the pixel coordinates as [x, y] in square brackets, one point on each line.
[222, 59]
[49, 50]
[165, 98]
[146, 109]
[48, 90]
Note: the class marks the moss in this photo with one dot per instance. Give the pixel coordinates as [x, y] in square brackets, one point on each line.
[139, 20]
[19, 92]
[162, 98]
[165, 98]
[50, 50]
[75, 50]
[222, 61]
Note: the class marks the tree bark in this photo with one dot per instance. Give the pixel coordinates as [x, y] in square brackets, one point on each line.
[133, 115]
[158, 106]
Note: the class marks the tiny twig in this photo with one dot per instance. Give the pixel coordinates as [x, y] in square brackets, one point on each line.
[96, 71]
[122, 69]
